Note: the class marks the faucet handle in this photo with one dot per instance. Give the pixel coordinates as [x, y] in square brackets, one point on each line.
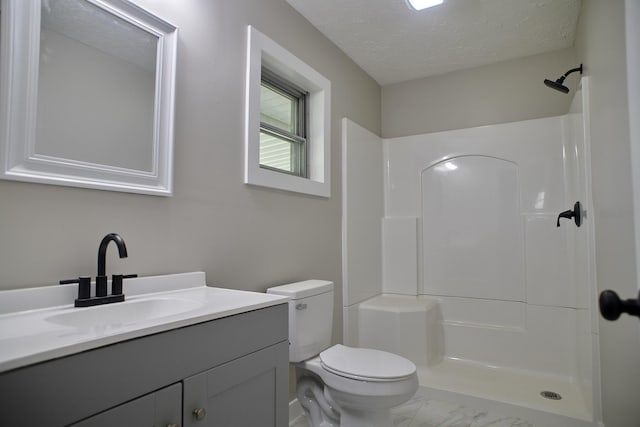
[116, 282]
[84, 286]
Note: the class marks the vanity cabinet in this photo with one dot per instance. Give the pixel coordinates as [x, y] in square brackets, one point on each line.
[231, 371]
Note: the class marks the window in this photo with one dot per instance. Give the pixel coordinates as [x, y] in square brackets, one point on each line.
[283, 124]
[287, 134]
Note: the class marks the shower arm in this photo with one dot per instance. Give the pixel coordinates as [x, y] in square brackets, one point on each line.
[573, 70]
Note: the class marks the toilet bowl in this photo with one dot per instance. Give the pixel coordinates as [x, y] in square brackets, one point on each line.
[339, 385]
[362, 385]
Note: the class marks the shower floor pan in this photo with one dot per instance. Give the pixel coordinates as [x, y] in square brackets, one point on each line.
[411, 327]
[509, 392]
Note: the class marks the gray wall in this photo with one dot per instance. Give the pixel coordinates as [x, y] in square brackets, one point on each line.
[242, 237]
[498, 93]
[601, 46]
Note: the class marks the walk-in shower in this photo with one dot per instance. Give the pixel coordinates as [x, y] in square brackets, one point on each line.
[456, 262]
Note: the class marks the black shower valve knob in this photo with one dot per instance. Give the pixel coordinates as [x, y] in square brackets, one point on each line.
[577, 214]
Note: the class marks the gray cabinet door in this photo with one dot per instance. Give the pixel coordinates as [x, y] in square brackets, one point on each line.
[159, 409]
[250, 391]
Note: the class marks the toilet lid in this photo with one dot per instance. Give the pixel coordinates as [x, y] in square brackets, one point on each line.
[365, 363]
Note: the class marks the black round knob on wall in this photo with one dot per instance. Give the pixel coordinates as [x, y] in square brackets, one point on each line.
[611, 306]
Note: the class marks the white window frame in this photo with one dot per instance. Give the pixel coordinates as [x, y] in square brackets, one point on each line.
[262, 51]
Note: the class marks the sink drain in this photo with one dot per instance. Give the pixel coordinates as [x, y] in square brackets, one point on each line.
[550, 395]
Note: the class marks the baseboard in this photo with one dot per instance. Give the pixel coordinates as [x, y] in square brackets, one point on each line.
[296, 411]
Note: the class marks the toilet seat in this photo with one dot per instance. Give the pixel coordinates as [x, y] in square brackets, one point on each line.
[366, 364]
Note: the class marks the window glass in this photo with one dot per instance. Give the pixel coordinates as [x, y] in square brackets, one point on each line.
[277, 109]
[282, 126]
[278, 153]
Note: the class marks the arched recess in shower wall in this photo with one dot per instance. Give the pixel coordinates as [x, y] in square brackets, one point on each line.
[471, 237]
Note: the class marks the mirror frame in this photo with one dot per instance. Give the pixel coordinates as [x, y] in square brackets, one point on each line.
[19, 61]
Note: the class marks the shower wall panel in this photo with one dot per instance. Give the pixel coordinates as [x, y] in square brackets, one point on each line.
[577, 157]
[363, 206]
[400, 256]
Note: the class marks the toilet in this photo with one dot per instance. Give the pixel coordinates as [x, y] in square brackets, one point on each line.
[340, 385]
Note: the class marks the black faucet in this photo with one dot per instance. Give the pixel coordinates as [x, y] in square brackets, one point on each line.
[101, 278]
[84, 282]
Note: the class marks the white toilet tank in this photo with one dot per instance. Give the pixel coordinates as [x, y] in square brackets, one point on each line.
[310, 317]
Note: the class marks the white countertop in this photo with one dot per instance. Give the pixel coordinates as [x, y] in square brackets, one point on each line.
[40, 324]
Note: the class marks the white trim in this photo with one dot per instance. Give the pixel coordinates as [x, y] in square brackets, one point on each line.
[346, 321]
[632, 15]
[261, 50]
[18, 104]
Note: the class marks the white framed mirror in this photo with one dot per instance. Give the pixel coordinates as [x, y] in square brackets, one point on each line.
[87, 95]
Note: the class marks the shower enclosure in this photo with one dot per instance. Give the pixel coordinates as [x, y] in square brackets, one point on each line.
[452, 257]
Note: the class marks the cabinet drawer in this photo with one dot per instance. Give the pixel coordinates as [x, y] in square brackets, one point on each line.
[159, 409]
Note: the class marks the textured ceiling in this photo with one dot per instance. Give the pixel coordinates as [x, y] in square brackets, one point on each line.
[393, 43]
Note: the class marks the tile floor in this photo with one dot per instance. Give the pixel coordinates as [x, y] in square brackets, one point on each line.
[423, 412]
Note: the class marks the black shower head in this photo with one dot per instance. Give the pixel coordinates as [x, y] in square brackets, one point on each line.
[558, 84]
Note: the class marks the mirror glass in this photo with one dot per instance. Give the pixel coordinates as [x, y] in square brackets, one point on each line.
[89, 101]
[90, 62]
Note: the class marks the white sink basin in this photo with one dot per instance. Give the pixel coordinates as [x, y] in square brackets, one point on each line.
[125, 313]
[39, 324]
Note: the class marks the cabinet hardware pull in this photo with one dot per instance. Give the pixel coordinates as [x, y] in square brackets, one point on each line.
[173, 425]
[199, 414]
